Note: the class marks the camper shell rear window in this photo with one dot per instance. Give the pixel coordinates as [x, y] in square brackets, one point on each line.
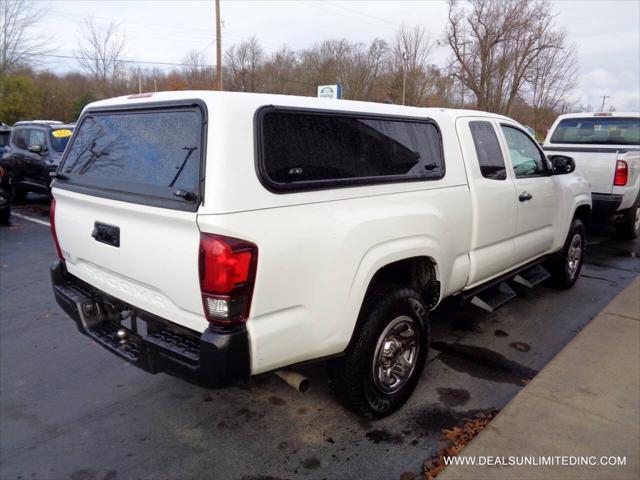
[304, 149]
[151, 155]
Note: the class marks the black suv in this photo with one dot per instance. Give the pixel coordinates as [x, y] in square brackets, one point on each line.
[34, 151]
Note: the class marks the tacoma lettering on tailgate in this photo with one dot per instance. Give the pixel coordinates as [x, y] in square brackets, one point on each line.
[125, 286]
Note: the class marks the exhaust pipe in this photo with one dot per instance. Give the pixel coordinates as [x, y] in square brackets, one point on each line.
[294, 379]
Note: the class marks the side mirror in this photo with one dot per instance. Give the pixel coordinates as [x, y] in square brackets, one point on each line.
[35, 148]
[562, 164]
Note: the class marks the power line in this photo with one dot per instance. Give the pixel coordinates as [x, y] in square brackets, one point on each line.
[161, 35]
[379, 19]
[333, 12]
[148, 62]
[141, 62]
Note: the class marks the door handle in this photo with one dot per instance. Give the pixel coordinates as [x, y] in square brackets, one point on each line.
[525, 197]
[108, 234]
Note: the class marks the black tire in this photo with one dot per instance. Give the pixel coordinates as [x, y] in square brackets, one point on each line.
[18, 195]
[352, 375]
[629, 225]
[564, 272]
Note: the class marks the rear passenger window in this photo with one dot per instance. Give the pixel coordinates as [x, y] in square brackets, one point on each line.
[313, 150]
[488, 150]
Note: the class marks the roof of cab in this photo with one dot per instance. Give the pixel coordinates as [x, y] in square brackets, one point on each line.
[263, 99]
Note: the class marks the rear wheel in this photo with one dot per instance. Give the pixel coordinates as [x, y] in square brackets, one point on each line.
[629, 226]
[383, 362]
[4, 215]
[566, 266]
[18, 195]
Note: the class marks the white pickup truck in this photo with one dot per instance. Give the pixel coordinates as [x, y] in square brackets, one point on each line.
[606, 149]
[217, 235]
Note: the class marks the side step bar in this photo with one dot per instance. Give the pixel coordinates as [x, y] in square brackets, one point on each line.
[498, 292]
[493, 297]
[533, 277]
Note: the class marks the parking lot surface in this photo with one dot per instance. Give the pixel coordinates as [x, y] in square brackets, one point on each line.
[70, 409]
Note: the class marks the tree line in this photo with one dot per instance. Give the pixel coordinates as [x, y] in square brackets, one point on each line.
[504, 56]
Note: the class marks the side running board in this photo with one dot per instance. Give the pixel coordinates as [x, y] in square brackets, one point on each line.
[498, 292]
[533, 277]
[493, 297]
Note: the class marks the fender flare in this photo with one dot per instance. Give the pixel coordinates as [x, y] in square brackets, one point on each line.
[381, 255]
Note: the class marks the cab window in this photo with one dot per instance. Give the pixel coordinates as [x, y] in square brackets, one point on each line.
[526, 157]
[488, 150]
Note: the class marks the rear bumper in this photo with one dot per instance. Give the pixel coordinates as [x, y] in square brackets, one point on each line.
[214, 358]
[605, 204]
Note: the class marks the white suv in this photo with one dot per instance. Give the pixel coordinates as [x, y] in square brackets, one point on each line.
[221, 235]
[606, 149]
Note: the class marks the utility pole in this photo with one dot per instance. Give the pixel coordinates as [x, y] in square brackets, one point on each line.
[139, 81]
[603, 97]
[465, 42]
[404, 75]
[218, 85]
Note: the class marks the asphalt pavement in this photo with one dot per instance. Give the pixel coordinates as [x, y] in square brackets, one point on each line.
[71, 410]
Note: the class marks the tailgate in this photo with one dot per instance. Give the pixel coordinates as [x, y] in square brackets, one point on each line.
[127, 194]
[597, 166]
[155, 266]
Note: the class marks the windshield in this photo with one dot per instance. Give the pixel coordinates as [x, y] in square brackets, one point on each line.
[59, 138]
[598, 131]
[152, 152]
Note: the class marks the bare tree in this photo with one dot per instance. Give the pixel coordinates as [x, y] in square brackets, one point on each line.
[550, 82]
[243, 63]
[279, 72]
[409, 65]
[495, 45]
[101, 54]
[362, 70]
[18, 42]
[325, 62]
[196, 73]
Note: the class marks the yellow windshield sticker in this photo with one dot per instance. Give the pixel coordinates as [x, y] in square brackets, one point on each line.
[61, 133]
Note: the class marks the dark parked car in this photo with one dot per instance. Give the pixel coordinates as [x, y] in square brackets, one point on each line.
[34, 151]
[5, 199]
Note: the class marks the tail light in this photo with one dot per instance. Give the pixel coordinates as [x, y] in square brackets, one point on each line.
[622, 174]
[227, 268]
[52, 221]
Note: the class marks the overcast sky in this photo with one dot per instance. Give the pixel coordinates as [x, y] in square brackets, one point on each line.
[606, 33]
